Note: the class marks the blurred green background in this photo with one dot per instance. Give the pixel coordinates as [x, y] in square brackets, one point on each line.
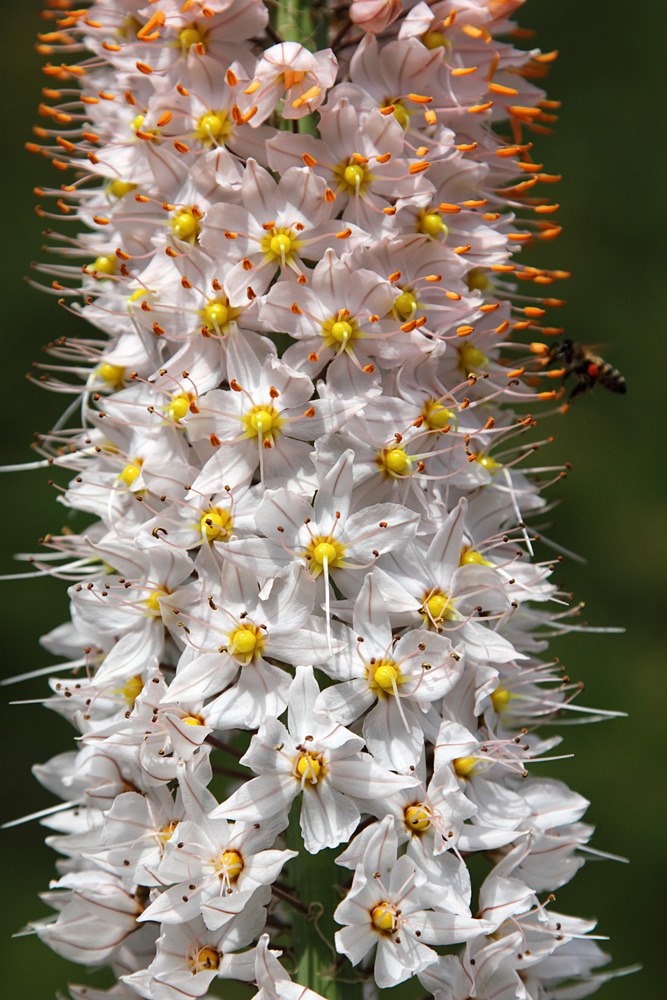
[609, 148]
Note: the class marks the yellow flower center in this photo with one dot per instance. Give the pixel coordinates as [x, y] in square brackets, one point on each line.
[438, 607]
[464, 766]
[132, 689]
[470, 358]
[384, 917]
[105, 264]
[436, 40]
[500, 698]
[153, 601]
[471, 558]
[417, 818]
[113, 375]
[131, 471]
[478, 281]
[118, 188]
[214, 127]
[193, 720]
[281, 245]
[204, 959]
[436, 416]
[178, 407]
[229, 865]
[384, 677]
[431, 224]
[216, 525]
[165, 832]
[246, 642]
[309, 767]
[394, 462]
[340, 330]
[323, 551]
[352, 177]
[405, 306]
[263, 422]
[488, 463]
[217, 314]
[185, 224]
[191, 35]
[401, 113]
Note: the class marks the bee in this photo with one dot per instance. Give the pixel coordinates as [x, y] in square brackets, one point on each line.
[588, 367]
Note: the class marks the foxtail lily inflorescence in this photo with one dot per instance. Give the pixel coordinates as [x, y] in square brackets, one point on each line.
[307, 657]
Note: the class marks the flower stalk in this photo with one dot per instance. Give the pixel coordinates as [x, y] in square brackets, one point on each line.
[307, 661]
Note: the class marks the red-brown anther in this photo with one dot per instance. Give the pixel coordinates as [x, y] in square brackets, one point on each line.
[215, 440]
[233, 384]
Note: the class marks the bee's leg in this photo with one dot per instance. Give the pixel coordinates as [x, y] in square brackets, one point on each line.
[583, 383]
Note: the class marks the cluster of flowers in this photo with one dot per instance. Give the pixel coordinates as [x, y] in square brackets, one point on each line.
[308, 495]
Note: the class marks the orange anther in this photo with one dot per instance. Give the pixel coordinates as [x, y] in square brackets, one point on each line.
[144, 68]
[419, 99]
[477, 108]
[418, 168]
[309, 160]
[164, 119]
[534, 312]
[464, 71]
[448, 209]
[498, 89]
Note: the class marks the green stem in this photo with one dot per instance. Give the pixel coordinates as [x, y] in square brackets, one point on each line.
[305, 22]
[314, 878]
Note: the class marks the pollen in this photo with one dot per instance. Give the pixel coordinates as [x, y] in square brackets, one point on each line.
[131, 471]
[230, 865]
[416, 818]
[471, 358]
[309, 767]
[214, 127]
[324, 551]
[384, 917]
[185, 225]
[384, 677]
[431, 224]
[246, 642]
[113, 375]
[464, 767]
[216, 525]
